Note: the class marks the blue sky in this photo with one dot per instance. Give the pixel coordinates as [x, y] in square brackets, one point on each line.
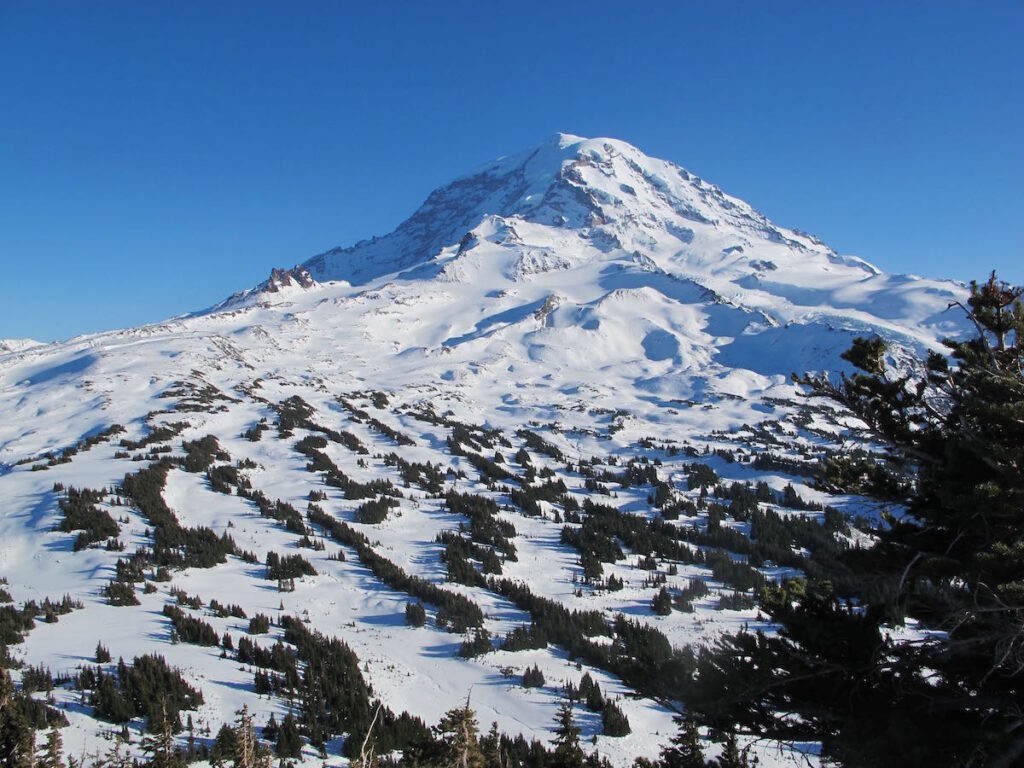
[155, 157]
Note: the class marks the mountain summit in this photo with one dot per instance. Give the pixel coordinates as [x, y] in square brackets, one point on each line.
[610, 195]
[572, 200]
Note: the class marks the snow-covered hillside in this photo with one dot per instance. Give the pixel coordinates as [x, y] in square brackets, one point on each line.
[540, 323]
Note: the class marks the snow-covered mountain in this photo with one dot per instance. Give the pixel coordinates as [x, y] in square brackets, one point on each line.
[579, 304]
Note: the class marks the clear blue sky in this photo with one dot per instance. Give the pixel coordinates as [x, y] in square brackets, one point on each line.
[157, 156]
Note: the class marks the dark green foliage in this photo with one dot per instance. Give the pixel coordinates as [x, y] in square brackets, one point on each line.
[374, 511]
[477, 645]
[684, 597]
[35, 679]
[662, 603]
[102, 654]
[604, 526]
[458, 554]
[255, 432]
[685, 750]
[735, 601]
[415, 614]
[524, 638]
[333, 694]
[427, 476]
[291, 414]
[334, 477]
[567, 753]
[158, 434]
[278, 510]
[278, 657]
[791, 500]
[189, 629]
[732, 756]
[223, 611]
[289, 743]
[145, 688]
[485, 527]
[701, 476]
[864, 475]
[224, 747]
[458, 733]
[538, 444]
[399, 437]
[528, 496]
[224, 477]
[735, 573]
[287, 567]
[592, 568]
[82, 514]
[20, 717]
[533, 677]
[954, 561]
[259, 624]
[200, 454]
[614, 721]
[173, 545]
[120, 593]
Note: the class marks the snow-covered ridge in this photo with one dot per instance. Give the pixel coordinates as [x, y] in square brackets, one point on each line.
[17, 345]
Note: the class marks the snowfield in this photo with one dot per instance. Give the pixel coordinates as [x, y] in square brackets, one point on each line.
[614, 305]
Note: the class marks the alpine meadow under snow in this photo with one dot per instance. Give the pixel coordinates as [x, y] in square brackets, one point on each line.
[562, 385]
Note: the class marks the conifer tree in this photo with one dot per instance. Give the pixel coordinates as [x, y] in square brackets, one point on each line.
[458, 728]
[567, 753]
[224, 746]
[53, 752]
[249, 753]
[115, 757]
[732, 756]
[662, 603]
[685, 750]
[491, 746]
[289, 743]
[954, 560]
[17, 736]
[159, 742]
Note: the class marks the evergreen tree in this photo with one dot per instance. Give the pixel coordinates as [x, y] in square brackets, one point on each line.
[491, 743]
[955, 561]
[614, 721]
[116, 757]
[732, 756]
[224, 746]
[662, 603]
[289, 743]
[458, 728]
[17, 735]
[533, 677]
[685, 750]
[249, 753]
[567, 753]
[53, 752]
[158, 744]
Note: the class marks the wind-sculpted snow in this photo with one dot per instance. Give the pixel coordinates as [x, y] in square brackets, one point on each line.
[580, 304]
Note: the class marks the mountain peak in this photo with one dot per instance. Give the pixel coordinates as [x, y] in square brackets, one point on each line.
[603, 192]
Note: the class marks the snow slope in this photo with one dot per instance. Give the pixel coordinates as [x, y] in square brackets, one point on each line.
[614, 303]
